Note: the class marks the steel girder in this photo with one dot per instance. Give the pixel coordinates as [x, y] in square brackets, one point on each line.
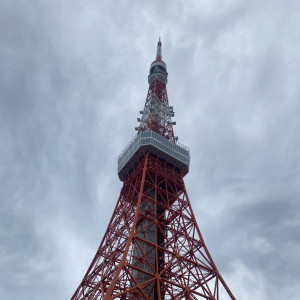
[153, 248]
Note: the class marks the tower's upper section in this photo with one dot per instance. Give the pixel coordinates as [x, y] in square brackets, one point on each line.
[158, 69]
[155, 130]
[157, 114]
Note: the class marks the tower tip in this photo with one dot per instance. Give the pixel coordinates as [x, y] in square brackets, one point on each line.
[159, 50]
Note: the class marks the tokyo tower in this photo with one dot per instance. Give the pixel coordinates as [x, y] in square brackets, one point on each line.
[152, 247]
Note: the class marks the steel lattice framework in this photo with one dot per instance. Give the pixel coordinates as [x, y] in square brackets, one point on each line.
[153, 248]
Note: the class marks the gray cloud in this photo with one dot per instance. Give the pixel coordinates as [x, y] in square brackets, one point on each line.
[73, 78]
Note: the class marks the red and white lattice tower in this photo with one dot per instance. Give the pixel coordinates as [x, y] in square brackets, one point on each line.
[152, 247]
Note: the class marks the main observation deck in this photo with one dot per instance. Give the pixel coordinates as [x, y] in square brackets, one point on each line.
[149, 141]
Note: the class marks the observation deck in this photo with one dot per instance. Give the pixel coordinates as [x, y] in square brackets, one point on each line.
[149, 141]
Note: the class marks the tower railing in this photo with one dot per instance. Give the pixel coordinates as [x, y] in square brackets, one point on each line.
[150, 141]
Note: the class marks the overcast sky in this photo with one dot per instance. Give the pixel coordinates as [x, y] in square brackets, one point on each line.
[73, 79]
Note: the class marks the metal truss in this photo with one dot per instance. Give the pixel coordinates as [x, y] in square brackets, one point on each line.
[153, 248]
[157, 114]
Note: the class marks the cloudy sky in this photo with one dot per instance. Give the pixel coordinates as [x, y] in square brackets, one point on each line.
[73, 78]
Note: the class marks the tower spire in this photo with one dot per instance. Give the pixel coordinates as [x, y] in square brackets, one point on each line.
[159, 50]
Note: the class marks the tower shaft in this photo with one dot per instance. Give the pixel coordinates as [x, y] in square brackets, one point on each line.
[152, 247]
